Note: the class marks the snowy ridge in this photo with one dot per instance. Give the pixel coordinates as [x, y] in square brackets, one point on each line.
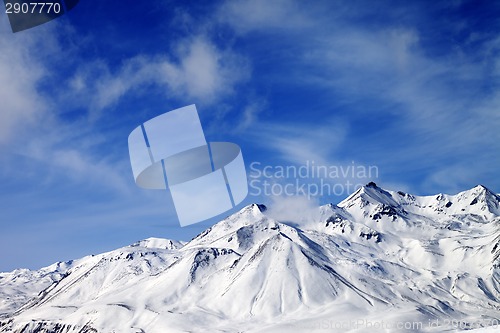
[377, 255]
[19, 286]
[159, 243]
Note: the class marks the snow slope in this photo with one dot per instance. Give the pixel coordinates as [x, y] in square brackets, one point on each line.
[379, 261]
[19, 286]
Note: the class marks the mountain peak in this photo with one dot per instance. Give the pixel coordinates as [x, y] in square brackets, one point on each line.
[371, 201]
[481, 189]
[372, 188]
[262, 208]
[369, 194]
[482, 197]
[246, 216]
[478, 190]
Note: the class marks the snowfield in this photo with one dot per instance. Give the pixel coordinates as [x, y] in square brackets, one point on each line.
[379, 261]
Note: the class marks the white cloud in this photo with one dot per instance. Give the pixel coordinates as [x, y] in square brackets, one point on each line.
[204, 71]
[20, 73]
[249, 15]
[250, 114]
[30, 123]
[297, 209]
[197, 70]
[33, 123]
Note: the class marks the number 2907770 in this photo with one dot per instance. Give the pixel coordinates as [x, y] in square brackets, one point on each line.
[33, 8]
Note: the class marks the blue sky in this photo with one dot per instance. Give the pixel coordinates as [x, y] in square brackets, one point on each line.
[411, 88]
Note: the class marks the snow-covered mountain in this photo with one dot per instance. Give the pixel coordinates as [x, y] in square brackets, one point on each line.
[378, 261]
[21, 285]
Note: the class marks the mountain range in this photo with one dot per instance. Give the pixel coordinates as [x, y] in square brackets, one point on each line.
[379, 261]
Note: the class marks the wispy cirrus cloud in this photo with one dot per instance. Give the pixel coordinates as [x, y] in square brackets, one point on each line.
[246, 16]
[435, 107]
[21, 72]
[298, 144]
[250, 114]
[196, 70]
